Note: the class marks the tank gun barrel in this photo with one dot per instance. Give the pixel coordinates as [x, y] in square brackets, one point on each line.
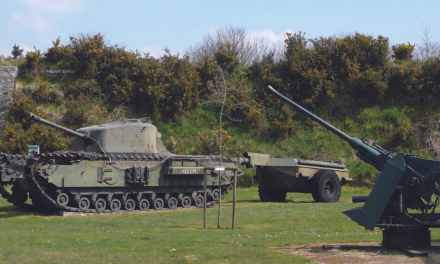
[372, 154]
[44, 121]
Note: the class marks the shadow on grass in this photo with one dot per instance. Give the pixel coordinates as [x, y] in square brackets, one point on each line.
[13, 211]
[356, 253]
[287, 201]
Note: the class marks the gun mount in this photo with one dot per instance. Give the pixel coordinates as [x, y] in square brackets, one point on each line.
[403, 200]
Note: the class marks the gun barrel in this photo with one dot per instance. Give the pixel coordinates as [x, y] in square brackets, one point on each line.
[44, 121]
[333, 129]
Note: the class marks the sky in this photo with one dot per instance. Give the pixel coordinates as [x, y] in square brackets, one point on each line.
[151, 26]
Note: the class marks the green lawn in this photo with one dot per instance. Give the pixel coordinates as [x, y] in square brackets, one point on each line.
[178, 236]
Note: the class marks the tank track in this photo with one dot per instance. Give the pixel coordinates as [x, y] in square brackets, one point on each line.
[8, 159]
[31, 162]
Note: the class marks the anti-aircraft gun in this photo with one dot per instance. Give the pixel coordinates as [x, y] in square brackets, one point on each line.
[122, 165]
[403, 200]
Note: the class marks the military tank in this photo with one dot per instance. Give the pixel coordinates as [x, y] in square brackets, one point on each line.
[122, 166]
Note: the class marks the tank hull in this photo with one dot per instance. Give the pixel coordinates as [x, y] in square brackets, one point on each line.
[93, 182]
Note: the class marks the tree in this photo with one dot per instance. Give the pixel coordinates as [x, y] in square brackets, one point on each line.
[16, 51]
[403, 51]
[428, 48]
[247, 48]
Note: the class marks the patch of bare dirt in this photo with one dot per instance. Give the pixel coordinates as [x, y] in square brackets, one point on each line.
[366, 253]
[191, 257]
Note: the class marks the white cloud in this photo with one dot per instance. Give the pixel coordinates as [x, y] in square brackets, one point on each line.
[53, 6]
[38, 22]
[270, 35]
[40, 15]
[25, 49]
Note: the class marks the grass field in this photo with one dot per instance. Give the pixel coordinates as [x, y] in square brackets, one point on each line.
[178, 236]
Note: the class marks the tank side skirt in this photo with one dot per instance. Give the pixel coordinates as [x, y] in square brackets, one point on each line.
[32, 162]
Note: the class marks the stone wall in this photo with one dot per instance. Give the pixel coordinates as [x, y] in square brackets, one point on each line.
[7, 78]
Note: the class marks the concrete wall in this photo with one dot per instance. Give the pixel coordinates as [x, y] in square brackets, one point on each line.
[7, 78]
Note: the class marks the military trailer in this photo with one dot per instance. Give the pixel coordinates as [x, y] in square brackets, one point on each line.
[278, 176]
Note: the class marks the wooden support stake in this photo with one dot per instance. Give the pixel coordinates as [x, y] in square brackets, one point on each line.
[235, 200]
[204, 202]
[220, 198]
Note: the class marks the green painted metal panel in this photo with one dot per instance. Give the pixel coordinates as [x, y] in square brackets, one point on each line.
[370, 213]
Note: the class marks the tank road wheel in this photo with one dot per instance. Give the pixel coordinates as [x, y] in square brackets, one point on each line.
[130, 204]
[172, 203]
[100, 205]
[200, 200]
[326, 187]
[186, 202]
[215, 195]
[84, 203]
[115, 205]
[144, 204]
[62, 199]
[158, 203]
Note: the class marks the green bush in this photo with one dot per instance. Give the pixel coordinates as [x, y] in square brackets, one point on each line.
[403, 51]
[34, 62]
[16, 51]
[363, 174]
[20, 132]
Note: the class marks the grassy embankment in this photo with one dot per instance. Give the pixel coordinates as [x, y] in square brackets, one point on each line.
[261, 227]
[176, 236]
[396, 127]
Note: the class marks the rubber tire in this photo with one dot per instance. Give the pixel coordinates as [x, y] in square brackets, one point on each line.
[215, 194]
[85, 201]
[172, 203]
[115, 205]
[199, 201]
[130, 205]
[63, 199]
[186, 202]
[144, 205]
[272, 196]
[326, 187]
[158, 204]
[100, 205]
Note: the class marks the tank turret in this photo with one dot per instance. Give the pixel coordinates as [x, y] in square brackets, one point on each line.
[124, 136]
